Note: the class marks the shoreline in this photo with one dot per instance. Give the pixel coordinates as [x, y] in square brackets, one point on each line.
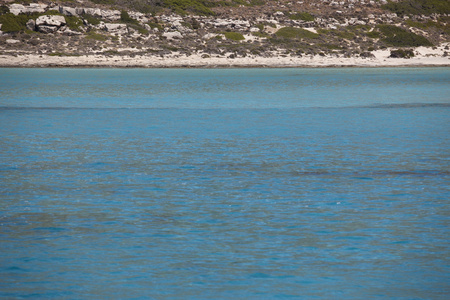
[424, 58]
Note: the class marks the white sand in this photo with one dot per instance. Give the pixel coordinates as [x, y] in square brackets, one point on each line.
[424, 57]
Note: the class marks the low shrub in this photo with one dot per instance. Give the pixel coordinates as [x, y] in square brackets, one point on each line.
[295, 33]
[235, 36]
[373, 34]
[91, 19]
[261, 34]
[96, 36]
[399, 37]
[305, 16]
[418, 7]
[402, 53]
[13, 23]
[125, 18]
[155, 25]
[4, 9]
[74, 23]
[183, 7]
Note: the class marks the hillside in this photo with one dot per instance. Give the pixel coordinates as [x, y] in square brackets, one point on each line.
[225, 28]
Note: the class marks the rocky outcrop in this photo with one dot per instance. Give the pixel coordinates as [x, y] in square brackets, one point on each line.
[172, 35]
[49, 24]
[32, 8]
[114, 28]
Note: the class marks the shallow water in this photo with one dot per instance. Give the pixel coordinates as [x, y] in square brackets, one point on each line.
[218, 184]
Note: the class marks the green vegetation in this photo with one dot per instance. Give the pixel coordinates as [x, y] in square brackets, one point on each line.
[125, 18]
[373, 34]
[429, 25]
[74, 23]
[96, 36]
[399, 37]
[261, 34]
[295, 33]
[155, 25]
[4, 9]
[133, 23]
[91, 19]
[402, 53]
[182, 7]
[305, 16]
[343, 33]
[235, 36]
[13, 23]
[418, 7]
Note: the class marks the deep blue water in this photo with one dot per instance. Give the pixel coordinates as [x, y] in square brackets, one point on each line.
[225, 184]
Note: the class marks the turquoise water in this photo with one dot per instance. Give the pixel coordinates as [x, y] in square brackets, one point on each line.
[229, 183]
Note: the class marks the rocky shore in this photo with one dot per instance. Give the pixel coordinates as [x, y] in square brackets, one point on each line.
[265, 34]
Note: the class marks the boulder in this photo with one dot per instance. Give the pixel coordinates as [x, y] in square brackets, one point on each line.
[68, 11]
[115, 28]
[70, 32]
[173, 35]
[112, 15]
[31, 25]
[47, 20]
[22, 9]
[93, 11]
[12, 41]
[16, 8]
[47, 29]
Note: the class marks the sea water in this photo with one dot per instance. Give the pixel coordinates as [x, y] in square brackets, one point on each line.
[225, 184]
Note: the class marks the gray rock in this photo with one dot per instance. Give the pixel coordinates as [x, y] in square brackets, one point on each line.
[47, 20]
[12, 41]
[32, 8]
[70, 32]
[16, 8]
[31, 25]
[173, 35]
[115, 28]
[112, 15]
[68, 11]
[47, 29]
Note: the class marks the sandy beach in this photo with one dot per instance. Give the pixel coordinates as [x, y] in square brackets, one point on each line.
[424, 57]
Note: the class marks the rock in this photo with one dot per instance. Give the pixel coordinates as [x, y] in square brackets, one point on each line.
[115, 28]
[209, 36]
[47, 29]
[112, 15]
[47, 20]
[12, 41]
[173, 35]
[16, 8]
[68, 11]
[79, 11]
[70, 32]
[93, 12]
[31, 24]
[32, 8]
[49, 24]
[138, 16]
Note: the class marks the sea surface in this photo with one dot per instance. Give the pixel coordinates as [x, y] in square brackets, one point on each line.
[225, 183]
